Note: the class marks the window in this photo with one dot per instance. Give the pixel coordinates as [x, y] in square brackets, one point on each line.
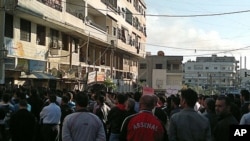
[25, 27]
[198, 67]
[169, 67]
[65, 42]
[143, 66]
[206, 68]
[189, 68]
[54, 36]
[143, 80]
[74, 45]
[129, 16]
[40, 35]
[215, 68]
[8, 31]
[114, 31]
[176, 66]
[158, 66]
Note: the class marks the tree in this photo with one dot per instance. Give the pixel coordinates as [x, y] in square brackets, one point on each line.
[109, 84]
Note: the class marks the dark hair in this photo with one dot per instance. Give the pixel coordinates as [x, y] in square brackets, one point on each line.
[121, 98]
[65, 99]
[34, 92]
[190, 96]
[6, 97]
[176, 100]
[162, 99]
[225, 98]
[101, 98]
[210, 104]
[23, 103]
[52, 98]
[82, 99]
[245, 94]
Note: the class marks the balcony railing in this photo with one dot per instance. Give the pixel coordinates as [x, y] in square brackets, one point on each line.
[52, 3]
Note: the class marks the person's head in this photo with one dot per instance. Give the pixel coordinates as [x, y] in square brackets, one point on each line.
[156, 99]
[130, 104]
[100, 99]
[161, 100]
[81, 100]
[222, 105]
[137, 96]
[121, 98]
[65, 100]
[209, 104]
[6, 98]
[52, 98]
[188, 98]
[34, 92]
[147, 102]
[244, 95]
[175, 102]
[23, 104]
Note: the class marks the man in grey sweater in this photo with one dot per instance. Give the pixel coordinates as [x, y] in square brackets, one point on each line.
[82, 125]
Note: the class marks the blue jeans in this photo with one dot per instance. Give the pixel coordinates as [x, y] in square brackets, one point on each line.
[114, 137]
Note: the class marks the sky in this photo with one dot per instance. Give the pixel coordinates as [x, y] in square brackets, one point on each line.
[199, 36]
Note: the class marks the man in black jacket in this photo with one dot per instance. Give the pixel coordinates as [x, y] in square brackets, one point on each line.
[225, 119]
[22, 124]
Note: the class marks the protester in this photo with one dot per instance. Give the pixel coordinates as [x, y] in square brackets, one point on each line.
[187, 124]
[245, 120]
[143, 126]
[225, 119]
[23, 124]
[209, 105]
[82, 125]
[50, 119]
[116, 116]
[245, 101]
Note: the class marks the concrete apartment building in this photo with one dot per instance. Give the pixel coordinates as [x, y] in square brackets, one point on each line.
[220, 73]
[162, 73]
[54, 43]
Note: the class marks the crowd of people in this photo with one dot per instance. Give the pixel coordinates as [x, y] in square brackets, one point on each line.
[54, 115]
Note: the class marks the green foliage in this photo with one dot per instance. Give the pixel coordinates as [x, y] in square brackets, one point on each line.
[109, 84]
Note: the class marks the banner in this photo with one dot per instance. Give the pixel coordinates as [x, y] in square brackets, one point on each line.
[147, 90]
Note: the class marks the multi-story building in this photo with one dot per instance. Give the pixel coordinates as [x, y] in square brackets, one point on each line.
[214, 72]
[162, 73]
[71, 38]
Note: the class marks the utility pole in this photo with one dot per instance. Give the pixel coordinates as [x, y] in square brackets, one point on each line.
[2, 47]
[112, 60]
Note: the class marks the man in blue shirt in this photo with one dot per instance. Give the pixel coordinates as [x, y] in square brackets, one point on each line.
[50, 119]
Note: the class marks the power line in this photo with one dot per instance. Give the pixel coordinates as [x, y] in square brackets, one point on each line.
[220, 51]
[179, 48]
[173, 16]
[199, 15]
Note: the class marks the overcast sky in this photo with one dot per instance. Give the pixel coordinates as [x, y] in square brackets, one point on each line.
[225, 35]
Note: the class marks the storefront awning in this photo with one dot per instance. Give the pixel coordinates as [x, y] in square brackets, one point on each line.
[37, 75]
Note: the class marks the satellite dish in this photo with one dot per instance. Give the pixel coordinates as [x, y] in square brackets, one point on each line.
[54, 72]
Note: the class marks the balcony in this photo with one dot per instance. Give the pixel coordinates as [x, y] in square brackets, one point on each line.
[56, 4]
[95, 25]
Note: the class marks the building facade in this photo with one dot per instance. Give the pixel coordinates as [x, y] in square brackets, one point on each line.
[162, 73]
[59, 42]
[219, 73]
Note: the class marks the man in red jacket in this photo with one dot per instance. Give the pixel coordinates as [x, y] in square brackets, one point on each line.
[144, 125]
